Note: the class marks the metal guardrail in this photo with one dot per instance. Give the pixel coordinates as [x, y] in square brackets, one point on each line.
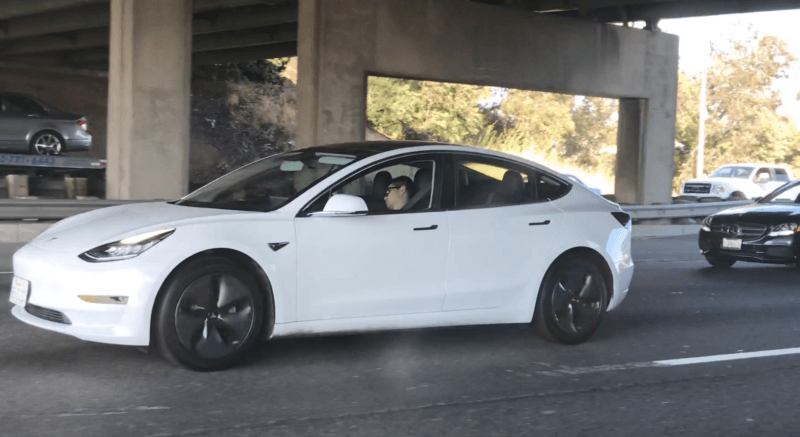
[57, 209]
[51, 209]
[684, 210]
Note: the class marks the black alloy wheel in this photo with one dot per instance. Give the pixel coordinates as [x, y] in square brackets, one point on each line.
[209, 316]
[572, 301]
[719, 261]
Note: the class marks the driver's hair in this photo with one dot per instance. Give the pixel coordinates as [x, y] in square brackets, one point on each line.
[404, 181]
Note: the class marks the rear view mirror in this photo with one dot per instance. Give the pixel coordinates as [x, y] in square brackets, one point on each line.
[291, 166]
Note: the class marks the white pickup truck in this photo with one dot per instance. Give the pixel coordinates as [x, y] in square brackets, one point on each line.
[739, 181]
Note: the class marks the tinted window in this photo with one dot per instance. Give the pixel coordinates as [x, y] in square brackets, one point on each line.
[483, 182]
[23, 105]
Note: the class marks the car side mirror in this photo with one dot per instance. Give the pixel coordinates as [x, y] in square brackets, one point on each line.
[343, 205]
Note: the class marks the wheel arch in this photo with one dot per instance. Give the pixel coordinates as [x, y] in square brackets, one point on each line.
[241, 259]
[585, 253]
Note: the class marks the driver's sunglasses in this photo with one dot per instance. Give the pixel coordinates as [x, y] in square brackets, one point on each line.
[390, 189]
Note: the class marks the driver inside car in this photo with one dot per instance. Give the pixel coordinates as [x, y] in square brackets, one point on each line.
[400, 190]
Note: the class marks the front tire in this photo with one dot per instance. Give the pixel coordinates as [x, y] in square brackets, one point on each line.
[572, 301]
[209, 315]
[718, 261]
[738, 195]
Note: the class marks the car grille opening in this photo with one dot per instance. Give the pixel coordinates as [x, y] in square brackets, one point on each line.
[745, 231]
[47, 314]
[697, 188]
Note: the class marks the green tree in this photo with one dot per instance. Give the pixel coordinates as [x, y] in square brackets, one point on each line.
[401, 108]
[595, 121]
[743, 124]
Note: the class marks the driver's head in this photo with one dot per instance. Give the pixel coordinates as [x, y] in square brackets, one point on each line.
[400, 190]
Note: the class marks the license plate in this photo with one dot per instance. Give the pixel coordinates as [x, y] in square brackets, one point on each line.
[732, 243]
[19, 291]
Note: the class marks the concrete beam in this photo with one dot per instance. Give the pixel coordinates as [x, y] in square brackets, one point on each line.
[99, 16]
[245, 18]
[55, 22]
[244, 38]
[209, 5]
[269, 51]
[20, 8]
[684, 9]
[79, 40]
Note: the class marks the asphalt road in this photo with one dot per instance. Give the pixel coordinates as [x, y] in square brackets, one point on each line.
[497, 380]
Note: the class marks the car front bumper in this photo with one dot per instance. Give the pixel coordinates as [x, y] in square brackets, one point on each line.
[771, 250]
[58, 278]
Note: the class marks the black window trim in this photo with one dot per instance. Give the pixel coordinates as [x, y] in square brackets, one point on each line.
[512, 163]
[435, 155]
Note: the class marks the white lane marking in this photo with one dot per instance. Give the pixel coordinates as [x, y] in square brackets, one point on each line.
[728, 357]
[566, 370]
[6, 273]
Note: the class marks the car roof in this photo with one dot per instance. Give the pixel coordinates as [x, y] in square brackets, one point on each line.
[756, 165]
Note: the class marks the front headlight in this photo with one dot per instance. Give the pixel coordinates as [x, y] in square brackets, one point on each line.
[719, 189]
[126, 248]
[783, 230]
[707, 224]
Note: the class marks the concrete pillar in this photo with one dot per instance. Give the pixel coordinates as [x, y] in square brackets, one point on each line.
[331, 81]
[148, 99]
[646, 135]
[17, 186]
[629, 140]
[75, 187]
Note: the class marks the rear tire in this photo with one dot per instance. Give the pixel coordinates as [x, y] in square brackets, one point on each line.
[718, 261]
[572, 301]
[48, 143]
[209, 315]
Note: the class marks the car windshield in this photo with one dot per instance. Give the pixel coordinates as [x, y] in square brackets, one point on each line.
[789, 193]
[270, 183]
[733, 172]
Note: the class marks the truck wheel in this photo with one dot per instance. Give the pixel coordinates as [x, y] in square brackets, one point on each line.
[738, 195]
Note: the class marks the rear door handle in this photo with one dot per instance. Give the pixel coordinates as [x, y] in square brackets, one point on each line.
[429, 228]
[546, 222]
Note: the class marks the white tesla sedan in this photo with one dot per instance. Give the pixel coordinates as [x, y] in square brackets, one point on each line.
[303, 243]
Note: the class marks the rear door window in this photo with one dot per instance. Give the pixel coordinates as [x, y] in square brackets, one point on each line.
[781, 175]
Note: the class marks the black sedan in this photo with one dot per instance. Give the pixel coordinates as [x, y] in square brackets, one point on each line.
[764, 232]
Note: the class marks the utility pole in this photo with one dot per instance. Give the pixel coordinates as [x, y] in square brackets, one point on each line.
[701, 130]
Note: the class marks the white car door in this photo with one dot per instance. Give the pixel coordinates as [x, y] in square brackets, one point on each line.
[498, 231]
[381, 263]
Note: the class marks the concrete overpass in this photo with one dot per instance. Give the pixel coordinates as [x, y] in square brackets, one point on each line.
[134, 57]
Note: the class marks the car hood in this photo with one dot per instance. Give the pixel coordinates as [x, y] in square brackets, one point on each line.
[761, 213]
[725, 181]
[106, 225]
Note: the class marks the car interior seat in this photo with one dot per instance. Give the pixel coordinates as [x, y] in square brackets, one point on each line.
[423, 181]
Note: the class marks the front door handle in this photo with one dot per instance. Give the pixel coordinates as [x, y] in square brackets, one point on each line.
[429, 228]
[546, 222]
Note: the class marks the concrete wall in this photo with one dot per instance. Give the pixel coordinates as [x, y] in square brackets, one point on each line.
[77, 93]
[342, 42]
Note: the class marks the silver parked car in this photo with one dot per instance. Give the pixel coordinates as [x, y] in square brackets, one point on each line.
[28, 125]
